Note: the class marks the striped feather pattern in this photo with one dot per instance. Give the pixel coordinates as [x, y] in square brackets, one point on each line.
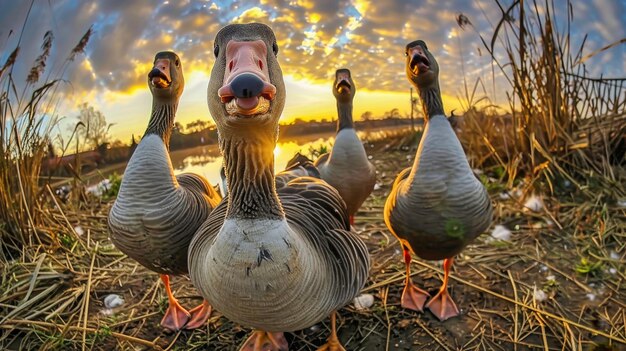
[276, 259]
[156, 214]
[348, 170]
[438, 206]
[300, 269]
[298, 166]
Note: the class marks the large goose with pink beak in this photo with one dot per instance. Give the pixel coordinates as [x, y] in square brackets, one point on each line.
[276, 260]
[437, 206]
[156, 213]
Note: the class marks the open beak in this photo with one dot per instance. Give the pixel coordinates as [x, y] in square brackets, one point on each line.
[419, 64]
[343, 86]
[160, 74]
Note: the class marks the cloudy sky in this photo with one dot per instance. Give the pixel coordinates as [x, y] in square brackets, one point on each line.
[315, 38]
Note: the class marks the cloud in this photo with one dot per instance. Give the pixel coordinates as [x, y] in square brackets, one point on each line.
[315, 38]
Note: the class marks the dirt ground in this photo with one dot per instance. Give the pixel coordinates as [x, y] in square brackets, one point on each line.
[559, 283]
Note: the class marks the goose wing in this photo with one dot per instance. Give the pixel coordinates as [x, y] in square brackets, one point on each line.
[316, 210]
[298, 166]
[322, 160]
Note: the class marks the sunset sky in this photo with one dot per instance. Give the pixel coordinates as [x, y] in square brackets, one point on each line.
[315, 38]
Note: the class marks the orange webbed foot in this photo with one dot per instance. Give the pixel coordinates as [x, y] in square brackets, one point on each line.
[414, 298]
[199, 315]
[176, 317]
[442, 306]
[265, 341]
[333, 343]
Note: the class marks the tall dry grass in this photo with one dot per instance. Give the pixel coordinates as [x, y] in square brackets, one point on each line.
[26, 121]
[563, 127]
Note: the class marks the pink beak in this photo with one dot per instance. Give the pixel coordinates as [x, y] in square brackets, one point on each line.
[246, 77]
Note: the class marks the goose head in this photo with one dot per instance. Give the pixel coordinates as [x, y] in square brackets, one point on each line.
[421, 67]
[166, 77]
[246, 89]
[343, 86]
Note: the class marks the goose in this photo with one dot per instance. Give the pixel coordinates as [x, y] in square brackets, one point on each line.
[437, 206]
[156, 213]
[346, 167]
[276, 260]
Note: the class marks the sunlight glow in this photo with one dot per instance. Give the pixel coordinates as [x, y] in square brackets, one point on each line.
[251, 14]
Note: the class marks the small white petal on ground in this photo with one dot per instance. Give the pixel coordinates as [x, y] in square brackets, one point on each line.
[500, 232]
[363, 301]
[113, 300]
[539, 295]
[79, 230]
[534, 203]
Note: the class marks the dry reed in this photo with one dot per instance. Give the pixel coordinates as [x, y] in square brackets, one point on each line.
[563, 126]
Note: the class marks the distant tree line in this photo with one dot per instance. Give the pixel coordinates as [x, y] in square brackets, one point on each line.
[91, 132]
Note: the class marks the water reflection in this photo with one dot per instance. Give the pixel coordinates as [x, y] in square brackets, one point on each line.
[207, 160]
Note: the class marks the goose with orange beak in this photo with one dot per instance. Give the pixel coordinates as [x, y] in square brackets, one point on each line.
[437, 206]
[347, 167]
[156, 214]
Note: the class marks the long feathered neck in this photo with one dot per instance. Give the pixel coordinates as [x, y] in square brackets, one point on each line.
[162, 119]
[249, 166]
[344, 111]
[431, 100]
[433, 106]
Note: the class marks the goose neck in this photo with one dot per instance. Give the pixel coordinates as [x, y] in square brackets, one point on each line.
[249, 167]
[431, 101]
[344, 111]
[162, 120]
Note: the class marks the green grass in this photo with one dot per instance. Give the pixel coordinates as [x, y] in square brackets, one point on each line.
[315, 152]
[115, 180]
[587, 267]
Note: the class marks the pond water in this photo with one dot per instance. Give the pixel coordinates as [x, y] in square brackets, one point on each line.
[207, 160]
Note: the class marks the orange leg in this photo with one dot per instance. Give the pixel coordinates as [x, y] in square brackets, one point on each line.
[333, 343]
[176, 316]
[413, 297]
[351, 220]
[265, 341]
[199, 315]
[441, 305]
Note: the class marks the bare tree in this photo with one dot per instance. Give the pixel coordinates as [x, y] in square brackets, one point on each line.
[197, 125]
[93, 127]
[367, 115]
[393, 113]
[178, 127]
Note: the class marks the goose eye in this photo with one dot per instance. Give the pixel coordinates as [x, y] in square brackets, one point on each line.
[177, 63]
[275, 48]
[216, 50]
